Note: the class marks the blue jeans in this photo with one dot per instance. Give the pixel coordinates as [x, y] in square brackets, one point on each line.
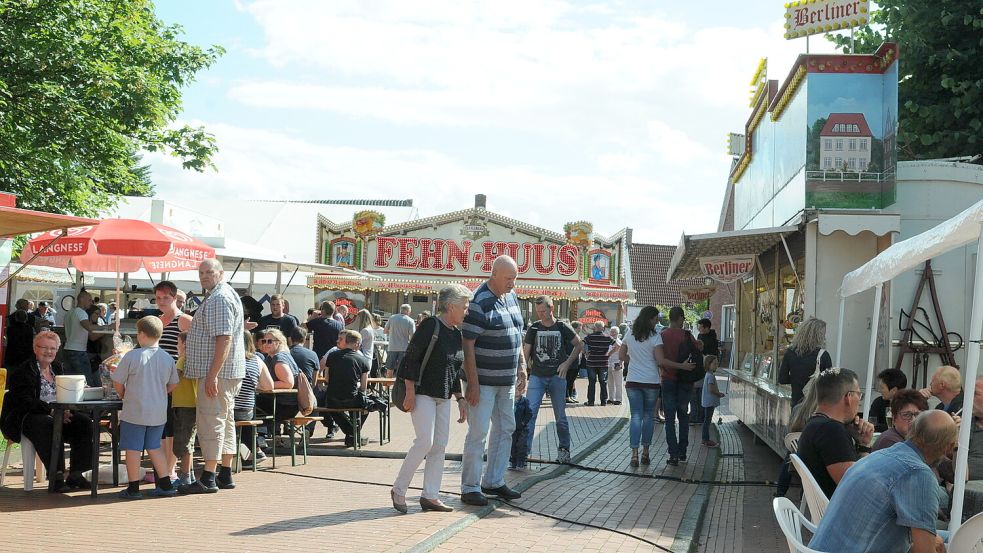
[675, 402]
[593, 376]
[707, 422]
[557, 386]
[495, 412]
[79, 362]
[642, 404]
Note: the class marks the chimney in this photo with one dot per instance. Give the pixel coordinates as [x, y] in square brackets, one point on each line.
[480, 201]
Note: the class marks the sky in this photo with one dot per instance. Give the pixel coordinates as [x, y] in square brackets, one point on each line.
[614, 112]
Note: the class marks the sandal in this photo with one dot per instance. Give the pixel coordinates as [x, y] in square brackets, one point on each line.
[634, 458]
[645, 459]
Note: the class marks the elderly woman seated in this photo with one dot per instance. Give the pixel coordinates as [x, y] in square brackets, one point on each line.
[906, 404]
[27, 413]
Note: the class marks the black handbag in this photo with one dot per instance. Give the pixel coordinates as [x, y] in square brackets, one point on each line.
[399, 388]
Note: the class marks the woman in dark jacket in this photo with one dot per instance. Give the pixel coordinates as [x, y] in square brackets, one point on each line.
[27, 413]
[429, 403]
[805, 355]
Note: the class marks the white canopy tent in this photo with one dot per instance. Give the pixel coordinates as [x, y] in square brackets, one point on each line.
[904, 256]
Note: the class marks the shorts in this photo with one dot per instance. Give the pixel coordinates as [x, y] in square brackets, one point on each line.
[169, 425]
[393, 358]
[137, 437]
[185, 428]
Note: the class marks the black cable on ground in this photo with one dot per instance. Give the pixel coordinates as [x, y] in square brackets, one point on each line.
[503, 501]
[766, 483]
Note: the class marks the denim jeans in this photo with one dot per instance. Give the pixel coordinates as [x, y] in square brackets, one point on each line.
[495, 412]
[707, 422]
[79, 362]
[556, 385]
[642, 426]
[675, 401]
[593, 376]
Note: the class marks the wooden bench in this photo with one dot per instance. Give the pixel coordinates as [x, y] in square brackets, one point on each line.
[354, 417]
[295, 426]
[244, 424]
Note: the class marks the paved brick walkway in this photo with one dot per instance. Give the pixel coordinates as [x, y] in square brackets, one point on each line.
[310, 505]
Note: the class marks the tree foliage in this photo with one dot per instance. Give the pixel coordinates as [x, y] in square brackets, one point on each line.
[940, 94]
[84, 87]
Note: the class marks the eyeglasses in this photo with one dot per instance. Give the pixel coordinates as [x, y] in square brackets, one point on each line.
[908, 415]
[269, 341]
[43, 348]
[860, 394]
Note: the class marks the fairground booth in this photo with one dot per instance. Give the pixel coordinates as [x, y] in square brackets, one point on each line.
[815, 191]
[409, 262]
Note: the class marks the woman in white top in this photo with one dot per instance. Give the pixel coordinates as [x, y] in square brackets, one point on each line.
[366, 327]
[643, 383]
[616, 378]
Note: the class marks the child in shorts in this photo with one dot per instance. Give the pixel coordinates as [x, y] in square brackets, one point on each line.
[184, 400]
[710, 397]
[143, 379]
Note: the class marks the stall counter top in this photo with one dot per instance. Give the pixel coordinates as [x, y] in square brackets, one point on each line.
[780, 390]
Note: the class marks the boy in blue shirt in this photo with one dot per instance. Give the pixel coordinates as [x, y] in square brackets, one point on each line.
[143, 379]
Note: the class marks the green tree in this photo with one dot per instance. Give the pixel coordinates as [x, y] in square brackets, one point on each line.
[939, 95]
[84, 87]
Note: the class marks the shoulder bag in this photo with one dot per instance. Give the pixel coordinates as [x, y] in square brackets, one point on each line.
[399, 388]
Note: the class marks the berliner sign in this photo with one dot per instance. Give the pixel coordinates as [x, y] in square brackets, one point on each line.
[727, 269]
[813, 17]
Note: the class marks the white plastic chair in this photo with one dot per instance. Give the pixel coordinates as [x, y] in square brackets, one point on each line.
[792, 442]
[969, 537]
[812, 494]
[791, 521]
[32, 471]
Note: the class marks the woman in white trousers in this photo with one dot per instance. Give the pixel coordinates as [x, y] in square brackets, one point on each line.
[431, 370]
[616, 377]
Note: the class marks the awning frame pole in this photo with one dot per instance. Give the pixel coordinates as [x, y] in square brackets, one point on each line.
[13, 275]
[791, 263]
[291, 279]
[839, 332]
[279, 276]
[972, 362]
[875, 321]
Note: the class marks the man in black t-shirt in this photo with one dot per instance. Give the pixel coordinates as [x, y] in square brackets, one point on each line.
[834, 438]
[551, 348]
[278, 318]
[325, 329]
[347, 376]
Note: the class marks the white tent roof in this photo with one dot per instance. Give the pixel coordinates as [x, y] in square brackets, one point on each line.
[913, 252]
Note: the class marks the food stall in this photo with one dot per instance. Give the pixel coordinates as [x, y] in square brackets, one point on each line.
[408, 263]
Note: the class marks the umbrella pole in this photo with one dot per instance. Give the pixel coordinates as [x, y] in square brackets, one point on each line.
[875, 321]
[969, 384]
[119, 305]
[839, 332]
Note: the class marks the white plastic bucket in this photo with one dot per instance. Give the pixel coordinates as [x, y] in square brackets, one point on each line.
[69, 388]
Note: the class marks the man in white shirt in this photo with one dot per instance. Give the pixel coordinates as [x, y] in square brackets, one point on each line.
[77, 328]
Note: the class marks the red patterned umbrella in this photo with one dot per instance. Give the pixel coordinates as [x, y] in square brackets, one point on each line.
[121, 245]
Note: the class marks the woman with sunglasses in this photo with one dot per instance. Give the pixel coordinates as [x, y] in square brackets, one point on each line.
[905, 406]
[283, 369]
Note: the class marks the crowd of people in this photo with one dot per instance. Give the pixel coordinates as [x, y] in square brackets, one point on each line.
[901, 481]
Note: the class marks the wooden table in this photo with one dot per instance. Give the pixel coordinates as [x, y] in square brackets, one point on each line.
[275, 392]
[95, 410]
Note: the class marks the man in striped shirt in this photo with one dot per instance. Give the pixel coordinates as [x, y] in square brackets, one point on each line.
[495, 371]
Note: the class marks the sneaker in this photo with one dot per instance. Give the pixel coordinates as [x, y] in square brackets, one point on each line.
[682, 458]
[563, 455]
[503, 492]
[571, 401]
[185, 480]
[158, 492]
[224, 484]
[672, 461]
[710, 443]
[127, 494]
[520, 465]
[197, 487]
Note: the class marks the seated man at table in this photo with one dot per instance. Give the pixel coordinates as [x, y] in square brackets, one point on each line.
[347, 379]
[834, 438]
[27, 413]
[946, 385]
[896, 492]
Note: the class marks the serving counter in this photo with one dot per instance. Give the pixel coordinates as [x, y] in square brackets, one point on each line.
[763, 406]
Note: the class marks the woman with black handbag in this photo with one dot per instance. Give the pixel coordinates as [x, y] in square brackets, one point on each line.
[430, 371]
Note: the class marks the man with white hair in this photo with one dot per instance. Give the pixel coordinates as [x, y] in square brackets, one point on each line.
[947, 386]
[495, 371]
[400, 329]
[216, 357]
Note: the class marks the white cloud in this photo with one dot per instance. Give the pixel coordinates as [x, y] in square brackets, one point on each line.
[264, 164]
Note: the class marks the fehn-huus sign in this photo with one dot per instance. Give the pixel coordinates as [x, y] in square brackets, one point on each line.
[727, 269]
[413, 255]
[812, 17]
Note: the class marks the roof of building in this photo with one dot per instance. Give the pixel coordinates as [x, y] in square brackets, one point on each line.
[649, 266]
[851, 119]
